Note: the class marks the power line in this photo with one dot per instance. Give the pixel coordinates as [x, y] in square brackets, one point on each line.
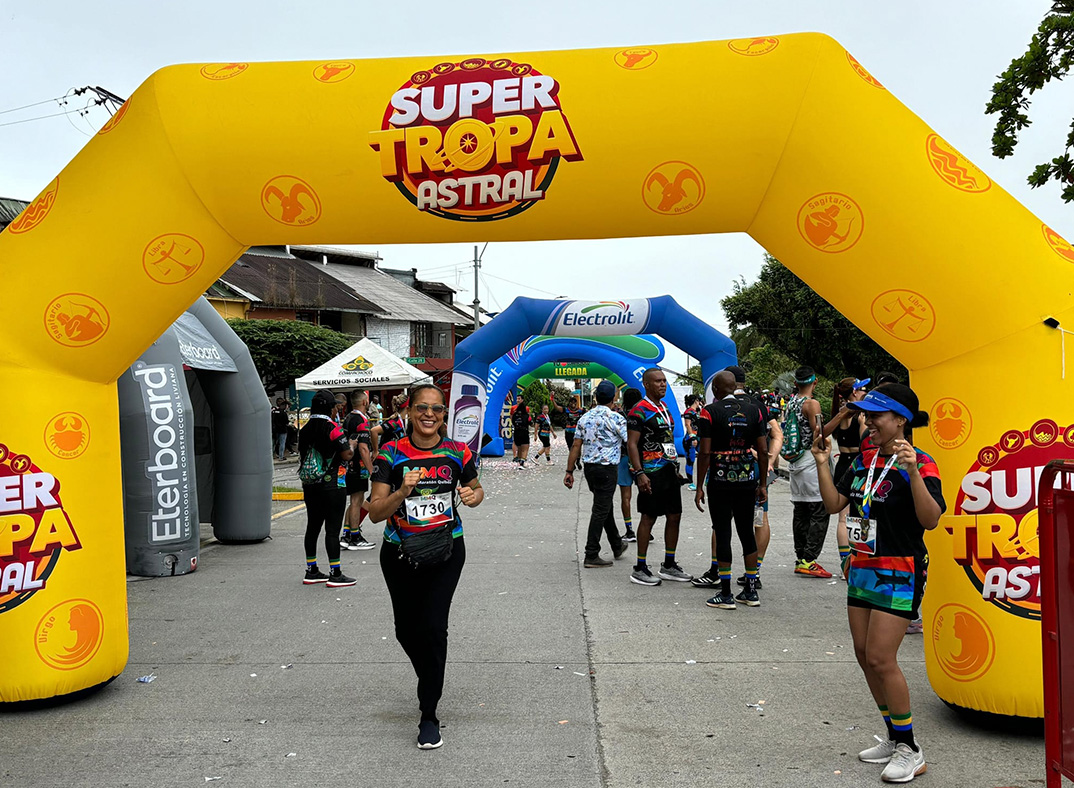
[35, 104]
[528, 287]
[492, 295]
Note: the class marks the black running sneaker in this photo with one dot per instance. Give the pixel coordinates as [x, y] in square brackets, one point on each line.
[429, 735]
[339, 580]
[742, 582]
[314, 575]
[722, 601]
[630, 536]
[707, 580]
[748, 598]
[359, 542]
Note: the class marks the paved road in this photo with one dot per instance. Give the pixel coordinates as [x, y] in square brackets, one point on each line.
[557, 676]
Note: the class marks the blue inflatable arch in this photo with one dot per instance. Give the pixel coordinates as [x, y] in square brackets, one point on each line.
[531, 317]
[628, 357]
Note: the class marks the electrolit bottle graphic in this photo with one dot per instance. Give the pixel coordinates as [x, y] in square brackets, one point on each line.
[467, 423]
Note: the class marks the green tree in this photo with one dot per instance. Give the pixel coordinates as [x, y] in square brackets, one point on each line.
[536, 396]
[283, 350]
[693, 379]
[1049, 56]
[804, 327]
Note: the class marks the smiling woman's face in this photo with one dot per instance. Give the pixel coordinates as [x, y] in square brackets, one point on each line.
[884, 426]
[422, 412]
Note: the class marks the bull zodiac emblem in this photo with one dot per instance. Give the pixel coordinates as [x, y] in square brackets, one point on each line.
[672, 191]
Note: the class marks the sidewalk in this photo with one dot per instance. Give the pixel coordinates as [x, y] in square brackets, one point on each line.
[557, 676]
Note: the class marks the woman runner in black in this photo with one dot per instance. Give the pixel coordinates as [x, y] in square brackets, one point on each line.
[895, 495]
[417, 481]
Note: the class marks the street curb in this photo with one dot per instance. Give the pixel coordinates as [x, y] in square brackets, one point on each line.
[287, 496]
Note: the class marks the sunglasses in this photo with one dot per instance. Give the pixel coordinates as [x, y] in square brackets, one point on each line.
[425, 407]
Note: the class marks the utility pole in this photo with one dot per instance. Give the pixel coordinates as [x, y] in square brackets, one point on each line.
[477, 269]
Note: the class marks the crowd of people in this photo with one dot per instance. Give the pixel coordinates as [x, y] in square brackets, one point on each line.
[884, 492]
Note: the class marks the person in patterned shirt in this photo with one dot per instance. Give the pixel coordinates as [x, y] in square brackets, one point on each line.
[544, 432]
[599, 442]
[418, 481]
[895, 495]
[651, 445]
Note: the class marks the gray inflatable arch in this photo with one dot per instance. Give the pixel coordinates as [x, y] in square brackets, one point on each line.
[193, 453]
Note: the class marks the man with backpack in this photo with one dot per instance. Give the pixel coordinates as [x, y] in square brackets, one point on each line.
[324, 454]
[801, 422]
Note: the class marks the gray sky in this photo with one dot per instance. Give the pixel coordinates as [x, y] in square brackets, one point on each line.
[939, 57]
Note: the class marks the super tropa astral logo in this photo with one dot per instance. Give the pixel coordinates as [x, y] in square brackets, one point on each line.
[475, 140]
[35, 530]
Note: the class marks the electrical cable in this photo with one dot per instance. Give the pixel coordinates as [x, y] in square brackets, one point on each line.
[71, 111]
[36, 103]
[528, 287]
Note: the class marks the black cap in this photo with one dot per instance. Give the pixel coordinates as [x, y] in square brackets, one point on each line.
[738, 372]
[324, 398]
[604, 392]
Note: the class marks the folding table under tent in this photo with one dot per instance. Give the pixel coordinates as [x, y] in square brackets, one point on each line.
[364, 365]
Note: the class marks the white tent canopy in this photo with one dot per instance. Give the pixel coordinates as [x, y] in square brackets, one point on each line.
[364, 365]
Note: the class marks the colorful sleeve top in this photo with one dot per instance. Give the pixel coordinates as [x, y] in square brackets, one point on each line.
[432, 502]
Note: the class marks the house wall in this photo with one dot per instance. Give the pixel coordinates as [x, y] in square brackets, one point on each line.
[392, 335]
[269, 313]
[228, 309]
[354, 324]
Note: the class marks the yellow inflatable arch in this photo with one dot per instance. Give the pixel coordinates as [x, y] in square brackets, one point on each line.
[788, 138]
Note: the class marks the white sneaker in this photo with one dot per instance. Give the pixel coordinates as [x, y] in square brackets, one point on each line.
[905, 765]
[881, 753]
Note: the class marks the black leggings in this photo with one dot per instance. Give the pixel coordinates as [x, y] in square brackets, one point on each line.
[738, 503]
[324, 507]
[421, 601]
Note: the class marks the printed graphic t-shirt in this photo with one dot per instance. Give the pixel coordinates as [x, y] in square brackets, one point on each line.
[544, 426]
[572, 416]
[443, 467]
[896, 530]
[327, 437]
[356, 425]
[733, 426]
[653, 423]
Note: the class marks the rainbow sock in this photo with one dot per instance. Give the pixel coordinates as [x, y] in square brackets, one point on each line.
[311, 563]
[346, 532]
[725, 580]
[844, 552]
[751, 579]
[760, 560]
[715, 566]
[333, 564]
[641, 560]
[902, 726]
[887, 721]
[669, 557]
[629, 523]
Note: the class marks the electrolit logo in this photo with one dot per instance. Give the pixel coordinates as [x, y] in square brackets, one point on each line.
[467, 422]
[601, 318]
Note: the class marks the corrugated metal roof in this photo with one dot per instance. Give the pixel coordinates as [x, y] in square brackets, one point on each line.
[9, 209]
[400, 301]
[296, 284]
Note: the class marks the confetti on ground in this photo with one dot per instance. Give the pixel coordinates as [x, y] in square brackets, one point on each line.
[576, 673]
[691, 662]
[287, 667]
[830, 653]
[210, 779]
[558, 667]
[147, 679]
[563, 722]
[253, 675]
[261, 722]
[227, 741]
[290, 755]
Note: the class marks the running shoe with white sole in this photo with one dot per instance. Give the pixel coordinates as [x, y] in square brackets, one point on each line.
[722, 601]
[706, 580]
[748, 598]
[916, 627]
[429, 735]
[673, 572]
[643, 577]
[630, 536]
[881, 753]
[905, 764]
[359, 542]
[340, 580]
